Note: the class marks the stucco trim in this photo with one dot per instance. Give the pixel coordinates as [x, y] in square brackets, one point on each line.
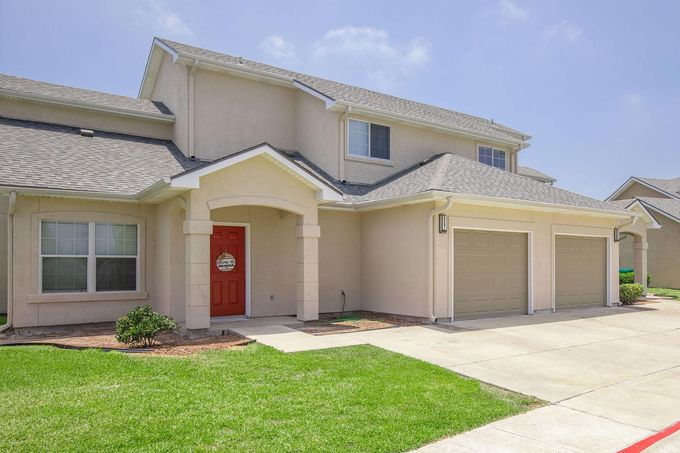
[191, 179]
[269, 202]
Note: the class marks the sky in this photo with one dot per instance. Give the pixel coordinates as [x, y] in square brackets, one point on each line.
[595, 83]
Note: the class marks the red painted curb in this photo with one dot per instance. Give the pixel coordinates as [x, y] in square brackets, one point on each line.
[651, 440]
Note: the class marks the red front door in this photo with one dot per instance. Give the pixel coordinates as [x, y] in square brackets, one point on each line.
[228, 271]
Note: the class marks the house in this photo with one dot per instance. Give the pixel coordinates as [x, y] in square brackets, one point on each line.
[661, 198]
[235, 188]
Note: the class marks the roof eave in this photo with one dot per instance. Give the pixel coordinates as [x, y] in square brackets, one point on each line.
[431, 195]
[633, 179]
[12, 94]
[67, 193]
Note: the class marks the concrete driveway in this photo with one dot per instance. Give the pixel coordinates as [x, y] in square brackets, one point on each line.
[612, 375]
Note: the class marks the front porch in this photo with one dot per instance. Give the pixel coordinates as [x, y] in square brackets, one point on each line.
[251, 238]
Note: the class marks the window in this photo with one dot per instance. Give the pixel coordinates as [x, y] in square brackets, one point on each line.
[369, 140]
[492, 156]
[88, 257]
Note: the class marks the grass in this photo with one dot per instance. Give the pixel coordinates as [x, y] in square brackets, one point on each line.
[359, 398]
[668, 292]
[3, 320]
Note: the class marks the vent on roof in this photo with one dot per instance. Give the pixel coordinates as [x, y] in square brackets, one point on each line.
[240, 61]
[87, 132]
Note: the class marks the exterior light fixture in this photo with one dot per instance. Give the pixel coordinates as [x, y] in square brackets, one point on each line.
[443, 223]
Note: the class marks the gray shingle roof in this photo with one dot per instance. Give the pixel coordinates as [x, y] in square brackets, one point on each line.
[460, 175]
[56, 92]
[57, 157]
[669, 206]
[671, 186]
[535, 174]
[366, 98]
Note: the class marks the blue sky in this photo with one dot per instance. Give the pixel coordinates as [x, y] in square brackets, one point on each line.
[597, 84]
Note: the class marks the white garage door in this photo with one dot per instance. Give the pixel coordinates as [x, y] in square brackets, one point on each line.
[580, 271]
[490, 273]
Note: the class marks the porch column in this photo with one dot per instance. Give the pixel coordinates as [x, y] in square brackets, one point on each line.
[197, 293]
[307, 271]
[640, 261]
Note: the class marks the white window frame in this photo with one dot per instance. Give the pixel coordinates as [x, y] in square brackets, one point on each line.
[359, 156]
[504, 151]
[91, 258]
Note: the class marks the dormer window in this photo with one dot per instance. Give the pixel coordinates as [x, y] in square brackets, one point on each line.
[369, 140]
[492, 156]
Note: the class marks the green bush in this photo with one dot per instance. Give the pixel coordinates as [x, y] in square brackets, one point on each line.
[629, 292]
[141, 325]
[626, 278]
[629, 277]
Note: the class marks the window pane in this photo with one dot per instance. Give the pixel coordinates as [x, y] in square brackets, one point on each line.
[64, 274]
[63, 238]
[114, 239]
[380, 141]
[499, 158]
[116, 274]
[358, 138]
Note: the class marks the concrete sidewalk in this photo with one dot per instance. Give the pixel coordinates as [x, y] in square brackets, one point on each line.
[611, 374]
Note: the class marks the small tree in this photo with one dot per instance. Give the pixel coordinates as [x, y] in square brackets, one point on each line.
[141, 325]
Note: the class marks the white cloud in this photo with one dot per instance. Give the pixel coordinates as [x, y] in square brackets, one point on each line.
[164, 20]
[511, 12]
[278, 47]
[632, 99]
[372, 44]
[564, 30]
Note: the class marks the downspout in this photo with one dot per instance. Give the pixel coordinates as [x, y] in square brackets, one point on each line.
[430, 255]
[342, 145]
[10, 253]
[192, 110]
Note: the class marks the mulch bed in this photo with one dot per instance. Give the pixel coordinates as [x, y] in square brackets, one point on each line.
[174, 344]
[353, 323]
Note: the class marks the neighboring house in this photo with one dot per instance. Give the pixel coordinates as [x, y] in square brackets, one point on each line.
[231, 187]
[661, 197]
[535, 174]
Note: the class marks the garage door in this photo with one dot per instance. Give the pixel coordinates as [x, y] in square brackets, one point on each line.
[580, 271]
[490, 273]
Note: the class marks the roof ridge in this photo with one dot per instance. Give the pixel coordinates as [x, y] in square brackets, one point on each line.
[174, 45]
[440, 173]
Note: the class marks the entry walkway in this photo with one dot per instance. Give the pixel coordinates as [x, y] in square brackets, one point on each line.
[610, 374]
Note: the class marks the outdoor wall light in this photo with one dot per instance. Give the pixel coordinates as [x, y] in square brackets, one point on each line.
[443, 223]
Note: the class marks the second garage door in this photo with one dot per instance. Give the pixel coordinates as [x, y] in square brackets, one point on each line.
[490, 273]
[580, 271]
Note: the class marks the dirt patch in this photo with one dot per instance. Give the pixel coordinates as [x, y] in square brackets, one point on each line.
[353, 323]
[174, 343]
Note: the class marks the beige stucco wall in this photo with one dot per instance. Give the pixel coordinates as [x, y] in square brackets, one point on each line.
[234, 113]
[339, 260]
[46, 113]
[626, 252]
[663, 255]
[171, 88]
[170, 257]
[33, 309]
[638, 190]
[394, 260]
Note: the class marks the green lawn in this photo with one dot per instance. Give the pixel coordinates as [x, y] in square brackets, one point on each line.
[670, 292]
[359, 398]
[3, 319]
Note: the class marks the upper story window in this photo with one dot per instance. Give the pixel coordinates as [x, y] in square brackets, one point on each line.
[492, 156]
[369, 140]
[88, 257]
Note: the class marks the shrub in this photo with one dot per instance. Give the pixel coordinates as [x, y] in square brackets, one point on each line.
[141, 325]
[626, 278]
[629, 292]
[629, 277]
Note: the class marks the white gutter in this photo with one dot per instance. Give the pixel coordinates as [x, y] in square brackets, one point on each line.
[10, 256]
[487, 200]
[46, 192]
[430, 255]
[161, 117]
